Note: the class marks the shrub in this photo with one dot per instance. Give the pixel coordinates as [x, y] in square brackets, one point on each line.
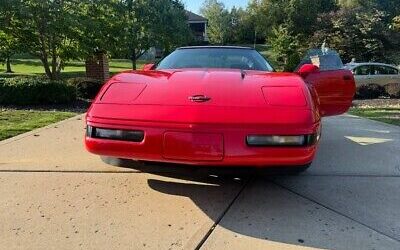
[393, 90]
[370, 91]
[35, 90]
[86, 88]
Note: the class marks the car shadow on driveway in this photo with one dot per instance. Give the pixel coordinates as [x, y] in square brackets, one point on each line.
[263, 213]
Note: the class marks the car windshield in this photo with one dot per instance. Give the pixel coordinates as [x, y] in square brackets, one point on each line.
[223, 58]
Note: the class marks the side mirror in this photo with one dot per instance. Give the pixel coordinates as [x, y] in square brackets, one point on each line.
[307, 69]
[148, 67]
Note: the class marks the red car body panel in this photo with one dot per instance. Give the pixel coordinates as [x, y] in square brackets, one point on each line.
[242, 103]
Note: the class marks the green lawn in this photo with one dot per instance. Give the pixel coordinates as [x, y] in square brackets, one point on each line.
[15, 122]
[387, 115]
[72, 69]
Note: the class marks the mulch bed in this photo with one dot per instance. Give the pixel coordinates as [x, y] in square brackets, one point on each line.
[377, 103]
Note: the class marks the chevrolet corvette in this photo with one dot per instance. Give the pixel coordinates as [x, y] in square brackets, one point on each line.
[216, 106]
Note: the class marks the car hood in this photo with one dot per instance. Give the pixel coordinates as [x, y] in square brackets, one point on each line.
[216, 87]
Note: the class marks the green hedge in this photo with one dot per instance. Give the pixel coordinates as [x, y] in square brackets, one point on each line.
[35, 90]
[86, 88]
[370, 91]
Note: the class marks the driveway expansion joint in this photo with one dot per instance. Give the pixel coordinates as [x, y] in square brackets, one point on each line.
[207, 235]
[335, 211]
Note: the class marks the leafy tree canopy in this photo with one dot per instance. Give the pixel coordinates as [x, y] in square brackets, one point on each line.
[219, 21]
[357, 33]
[47, 29]
[128, 28]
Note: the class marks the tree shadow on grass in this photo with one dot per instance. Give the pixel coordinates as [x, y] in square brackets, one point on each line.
[38, 63]
[27, 62]
[64, 75]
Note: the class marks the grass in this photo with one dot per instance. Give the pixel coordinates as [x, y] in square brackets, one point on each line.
[17, 121]
[14, 122]
[386, 115]
[31, 66]
[71, 69]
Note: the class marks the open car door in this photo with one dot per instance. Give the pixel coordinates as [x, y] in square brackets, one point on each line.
[335, 87]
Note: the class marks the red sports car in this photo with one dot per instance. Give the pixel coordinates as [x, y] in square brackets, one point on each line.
[216, 106]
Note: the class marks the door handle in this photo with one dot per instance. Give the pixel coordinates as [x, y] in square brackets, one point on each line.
[199, 98]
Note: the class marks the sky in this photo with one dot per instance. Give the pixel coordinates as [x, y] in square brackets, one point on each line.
[195, 5]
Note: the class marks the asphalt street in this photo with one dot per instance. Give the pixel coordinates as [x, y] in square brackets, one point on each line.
[55, 195]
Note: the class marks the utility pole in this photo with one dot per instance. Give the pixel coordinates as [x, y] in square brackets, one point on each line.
[255, 38]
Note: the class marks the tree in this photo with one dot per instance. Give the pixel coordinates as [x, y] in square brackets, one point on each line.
[218, 21]
[286, 25]
[134, 38]
[241, 28]
[264, 15]
[47, 28]
[142, 24]
[9, 45]
[350, 3]
[390, 7]
[285, 48]
[357, 33]
[298, 16]
[301, 15]
[98, 30]
[169, 24]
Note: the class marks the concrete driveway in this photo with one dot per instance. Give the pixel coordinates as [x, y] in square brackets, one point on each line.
[54, 195]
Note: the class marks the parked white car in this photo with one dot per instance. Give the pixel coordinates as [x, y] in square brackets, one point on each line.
[376, 79]
[374, 73]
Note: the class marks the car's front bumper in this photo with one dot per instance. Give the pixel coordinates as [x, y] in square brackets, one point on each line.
[216, 145]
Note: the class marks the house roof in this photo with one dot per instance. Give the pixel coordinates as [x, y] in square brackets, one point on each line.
[192, 17]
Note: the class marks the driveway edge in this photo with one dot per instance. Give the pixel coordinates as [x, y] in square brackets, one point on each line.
[35, 131]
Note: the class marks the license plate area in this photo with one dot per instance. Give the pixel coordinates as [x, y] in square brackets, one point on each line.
[193, 146]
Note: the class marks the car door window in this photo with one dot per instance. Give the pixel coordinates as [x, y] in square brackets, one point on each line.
[380, 70]
[326, 60]
[392, 71]
[363, 70]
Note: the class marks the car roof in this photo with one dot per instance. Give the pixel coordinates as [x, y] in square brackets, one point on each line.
[354, 65]
[215, 47]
